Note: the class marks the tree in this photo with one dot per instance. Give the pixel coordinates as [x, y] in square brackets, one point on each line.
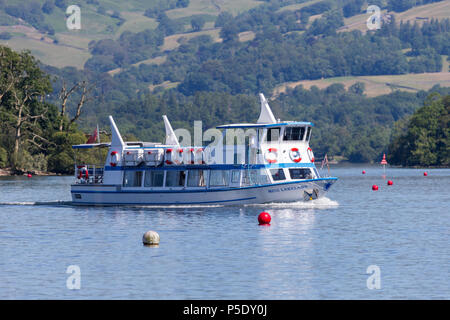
[426, 141]
[197, 23]
[48, 6]
[22, 88]
[223, 19]
[229, 33]
[357, 88]
[85, 89]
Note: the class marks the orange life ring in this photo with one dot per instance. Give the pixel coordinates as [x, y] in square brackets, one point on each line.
[271, 151]
[169, 151]
[114, 158]
[294, 154]
[310, 154]
[180, 156]
[200, 156]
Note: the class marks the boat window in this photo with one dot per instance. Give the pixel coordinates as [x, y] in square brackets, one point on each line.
[235, 175]
[300, 173]
[258, 177]
[132, 178]
[154, 178]
[175, 178]
[273, 135]
[218, 178]
[308, 134]
[294, 133]
[196, 178]
[277, 174]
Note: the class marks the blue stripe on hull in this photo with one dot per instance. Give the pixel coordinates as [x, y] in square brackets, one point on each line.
[162, 203]
[202, 190]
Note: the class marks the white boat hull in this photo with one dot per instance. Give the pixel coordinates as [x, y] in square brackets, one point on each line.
[104, 195]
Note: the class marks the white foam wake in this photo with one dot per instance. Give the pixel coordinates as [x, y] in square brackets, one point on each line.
[37, 203]
[321, 203]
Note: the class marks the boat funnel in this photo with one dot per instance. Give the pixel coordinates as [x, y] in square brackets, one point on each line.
[266, 115]
[116, 139]
[171, 138]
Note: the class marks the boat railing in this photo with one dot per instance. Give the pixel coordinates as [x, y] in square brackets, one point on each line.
[89, 174]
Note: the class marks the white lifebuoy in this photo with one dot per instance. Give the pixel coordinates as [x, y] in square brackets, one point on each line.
[199, 156]
[190, 156]
[294, 154]
[114, 158]
[168, 155]
[179, 157]
[271, 155]
[310, 154]
[173, 157]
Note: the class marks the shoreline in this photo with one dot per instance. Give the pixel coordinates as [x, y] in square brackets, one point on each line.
[8, 172]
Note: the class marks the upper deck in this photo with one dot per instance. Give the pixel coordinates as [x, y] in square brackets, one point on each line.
[243, 154]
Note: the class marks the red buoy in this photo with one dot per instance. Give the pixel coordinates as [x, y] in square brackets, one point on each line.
[425, 174]
[264, 218]
[390, 183]
[364, 172]
[29, 175]
[374, 187]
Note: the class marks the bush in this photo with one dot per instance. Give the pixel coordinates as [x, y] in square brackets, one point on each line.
[3, 157]
[27, 162]
[61, 163]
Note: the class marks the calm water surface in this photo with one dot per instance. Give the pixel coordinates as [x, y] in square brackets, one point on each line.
[315, 250]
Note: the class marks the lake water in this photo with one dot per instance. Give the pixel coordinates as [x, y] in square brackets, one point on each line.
[314, 250]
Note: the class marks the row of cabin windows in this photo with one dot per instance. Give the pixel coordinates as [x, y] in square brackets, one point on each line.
[290, 134]
[294, 173]
[195, 178]
[217, 178]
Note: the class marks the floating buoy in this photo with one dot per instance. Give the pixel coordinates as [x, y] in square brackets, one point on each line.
[425, 174]
[29, 175]
[390, 183]
[364, 172]
[264, 218]
[151, 238]
[374, 187]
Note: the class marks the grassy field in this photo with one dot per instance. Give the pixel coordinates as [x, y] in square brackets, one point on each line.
[377, 85]
[213, 7]
[173, 41]
[298, 6]
[437, 10]
[51, 54]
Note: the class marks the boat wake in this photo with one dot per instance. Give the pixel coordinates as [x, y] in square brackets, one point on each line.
[37, 203]
[321, 203]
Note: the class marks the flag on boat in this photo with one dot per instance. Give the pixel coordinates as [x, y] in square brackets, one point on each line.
[383, 161]
[324, 161]
[94, 137]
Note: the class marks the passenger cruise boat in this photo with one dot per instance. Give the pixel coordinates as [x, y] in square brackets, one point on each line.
[272, 163]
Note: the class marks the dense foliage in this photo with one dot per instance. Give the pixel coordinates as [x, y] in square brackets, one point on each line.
[425, 138]
[29, 136]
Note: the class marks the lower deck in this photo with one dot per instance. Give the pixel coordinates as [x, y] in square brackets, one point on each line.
[307, 189]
